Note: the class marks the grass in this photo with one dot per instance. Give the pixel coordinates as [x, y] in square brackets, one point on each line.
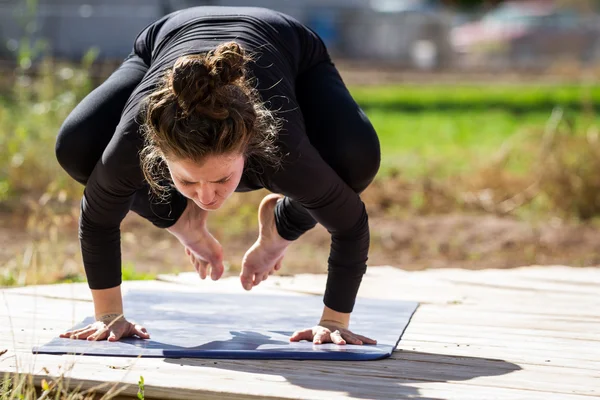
[446, 143]
[514, 98]
[23, 387]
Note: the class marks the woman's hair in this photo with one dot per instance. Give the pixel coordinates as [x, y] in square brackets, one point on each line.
[205, 105]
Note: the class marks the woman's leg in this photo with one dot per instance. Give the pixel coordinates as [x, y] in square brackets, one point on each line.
[341, 133]
[89, 127]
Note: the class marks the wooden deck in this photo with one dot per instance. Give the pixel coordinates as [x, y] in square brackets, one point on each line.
[526, 333]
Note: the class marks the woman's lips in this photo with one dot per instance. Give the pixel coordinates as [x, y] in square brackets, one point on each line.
[212, 203]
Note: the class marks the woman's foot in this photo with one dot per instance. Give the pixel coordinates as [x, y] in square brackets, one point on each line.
[266, 254]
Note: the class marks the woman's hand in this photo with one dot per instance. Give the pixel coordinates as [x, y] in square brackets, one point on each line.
[105, 330]
[330, 332]
[201, 247]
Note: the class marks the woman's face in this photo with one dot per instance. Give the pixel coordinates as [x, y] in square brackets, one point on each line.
[208, 184]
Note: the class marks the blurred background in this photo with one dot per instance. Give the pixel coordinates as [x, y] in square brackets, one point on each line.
[486, 112]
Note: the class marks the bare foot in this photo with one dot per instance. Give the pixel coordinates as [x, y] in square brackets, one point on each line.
[266, 254]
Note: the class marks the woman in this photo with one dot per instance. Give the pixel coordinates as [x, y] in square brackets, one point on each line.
[214, 100]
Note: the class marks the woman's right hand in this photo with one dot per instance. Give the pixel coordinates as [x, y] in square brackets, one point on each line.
[112, 332]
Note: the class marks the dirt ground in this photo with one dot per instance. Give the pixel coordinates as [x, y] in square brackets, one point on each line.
[411, 243]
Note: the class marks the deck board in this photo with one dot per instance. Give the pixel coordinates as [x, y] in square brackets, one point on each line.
[525, 333]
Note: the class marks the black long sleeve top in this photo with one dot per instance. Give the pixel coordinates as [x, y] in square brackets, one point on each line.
[283, 49]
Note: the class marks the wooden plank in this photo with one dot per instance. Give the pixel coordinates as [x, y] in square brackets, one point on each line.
[540, 352]
[507, 319]
[530, 346]
[558, 273]
[483, 351]
[81, 291]
[434, 290]
[482, 330]
[340, 377]
[469, 358]
[584, 276]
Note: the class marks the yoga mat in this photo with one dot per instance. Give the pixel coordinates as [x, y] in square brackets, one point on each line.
[242, 326]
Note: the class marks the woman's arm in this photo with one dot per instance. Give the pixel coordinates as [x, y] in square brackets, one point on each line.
[108, 304]
[331, 316]
[309, 180]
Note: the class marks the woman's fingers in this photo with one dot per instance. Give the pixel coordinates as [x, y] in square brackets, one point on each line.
[141, 332]
[112, 333]
[336, 337]
[322, 336]
[306, 334]
[100, 334]
[366, 339]
[112, 336]
[83, 334]
[352, 339]
[68, 334]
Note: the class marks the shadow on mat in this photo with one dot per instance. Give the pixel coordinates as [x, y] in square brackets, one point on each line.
[383, 379]
[240, 340]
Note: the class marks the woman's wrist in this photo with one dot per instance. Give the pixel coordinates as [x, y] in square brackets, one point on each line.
[110, 318]
[108, 303]
[332, 317]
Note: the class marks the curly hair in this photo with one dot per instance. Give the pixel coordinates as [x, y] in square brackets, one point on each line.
[205, 105]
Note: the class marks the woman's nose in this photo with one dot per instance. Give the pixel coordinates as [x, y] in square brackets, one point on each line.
[206, 194]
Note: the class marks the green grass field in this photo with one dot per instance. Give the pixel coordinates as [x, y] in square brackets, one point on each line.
[446, 143]
[516, 98]
[439, 130]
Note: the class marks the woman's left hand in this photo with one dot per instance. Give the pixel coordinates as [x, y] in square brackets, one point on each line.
[326, 332]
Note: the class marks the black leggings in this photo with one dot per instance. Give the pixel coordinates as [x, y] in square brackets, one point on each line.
[341, 133]
[335, 125]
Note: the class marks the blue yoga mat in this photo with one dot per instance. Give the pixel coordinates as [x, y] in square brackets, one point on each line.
[242, 326]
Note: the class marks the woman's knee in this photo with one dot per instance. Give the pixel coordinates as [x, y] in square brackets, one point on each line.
[360, 155]
[71, 153]
[91, 125]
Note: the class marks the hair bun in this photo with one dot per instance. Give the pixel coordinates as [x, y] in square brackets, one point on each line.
[188, 75]
[197, 79]
[228, 62]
